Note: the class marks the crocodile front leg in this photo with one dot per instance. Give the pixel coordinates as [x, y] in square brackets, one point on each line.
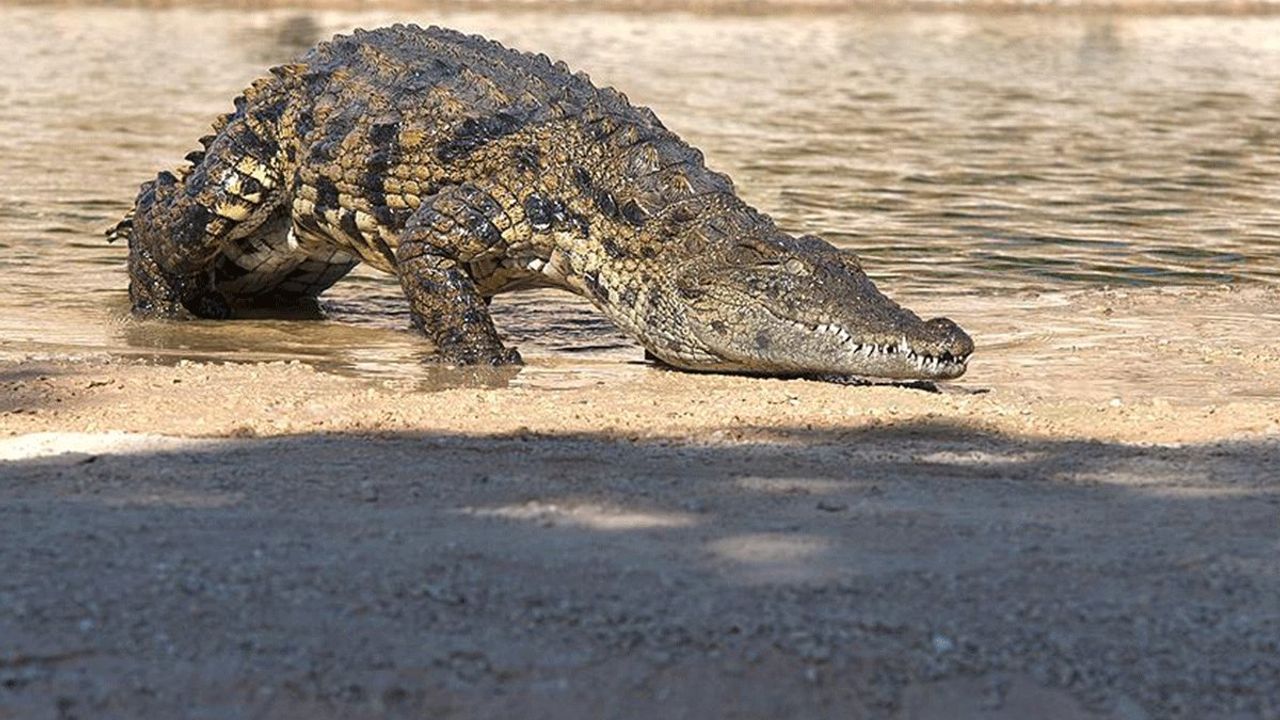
[447, 231]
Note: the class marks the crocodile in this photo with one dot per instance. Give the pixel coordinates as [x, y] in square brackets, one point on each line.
[467, 169]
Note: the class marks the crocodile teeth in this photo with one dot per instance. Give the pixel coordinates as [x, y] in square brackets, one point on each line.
[919, 360]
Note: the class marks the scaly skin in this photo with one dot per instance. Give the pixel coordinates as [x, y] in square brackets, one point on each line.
[468, 170]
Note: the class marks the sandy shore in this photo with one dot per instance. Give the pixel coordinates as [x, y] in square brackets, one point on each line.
[1079, 528]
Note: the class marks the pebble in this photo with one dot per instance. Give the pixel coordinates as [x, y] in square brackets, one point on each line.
[942, 644]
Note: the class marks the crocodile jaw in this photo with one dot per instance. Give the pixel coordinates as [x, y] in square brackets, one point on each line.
[808, 309]
[900, 359]
[937, 350]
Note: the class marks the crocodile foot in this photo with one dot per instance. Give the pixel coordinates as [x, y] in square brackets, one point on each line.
[460, 356]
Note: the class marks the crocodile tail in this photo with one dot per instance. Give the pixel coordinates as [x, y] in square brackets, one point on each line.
[121, 230]
[286, 74]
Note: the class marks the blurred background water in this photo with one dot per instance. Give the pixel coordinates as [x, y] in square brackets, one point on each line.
[968, 157]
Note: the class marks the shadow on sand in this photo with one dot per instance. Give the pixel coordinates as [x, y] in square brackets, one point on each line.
[773, 573]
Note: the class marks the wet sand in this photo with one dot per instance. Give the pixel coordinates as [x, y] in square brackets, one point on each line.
[1067, 532]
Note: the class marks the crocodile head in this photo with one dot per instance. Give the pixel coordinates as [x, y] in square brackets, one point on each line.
[778, 305]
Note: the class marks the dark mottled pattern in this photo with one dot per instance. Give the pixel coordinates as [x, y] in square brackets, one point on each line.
[473, 134]
[326, 196]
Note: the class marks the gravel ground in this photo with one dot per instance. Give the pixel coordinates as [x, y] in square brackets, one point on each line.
[228, 541]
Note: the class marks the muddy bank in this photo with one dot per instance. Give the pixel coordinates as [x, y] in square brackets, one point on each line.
[235, 540]
[1135, 366]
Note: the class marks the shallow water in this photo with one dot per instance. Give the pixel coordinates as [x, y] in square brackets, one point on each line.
[967, 157]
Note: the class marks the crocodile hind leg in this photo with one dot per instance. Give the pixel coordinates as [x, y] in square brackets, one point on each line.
[179, 225]
[447, 231]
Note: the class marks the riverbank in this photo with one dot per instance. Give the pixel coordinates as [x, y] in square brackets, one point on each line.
[1179, 365]
[1065, 533]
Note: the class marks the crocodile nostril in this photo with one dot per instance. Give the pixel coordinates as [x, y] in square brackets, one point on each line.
[956, 339]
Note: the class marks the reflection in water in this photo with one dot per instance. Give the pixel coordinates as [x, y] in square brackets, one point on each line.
[967, 158]
[1100, 43]
[283, 38]
[565, 335]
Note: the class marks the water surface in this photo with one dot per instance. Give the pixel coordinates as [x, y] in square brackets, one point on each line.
[964, 156]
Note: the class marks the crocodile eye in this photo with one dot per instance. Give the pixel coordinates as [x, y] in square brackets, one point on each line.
[796, 266]
[749, 253]
[744, 255]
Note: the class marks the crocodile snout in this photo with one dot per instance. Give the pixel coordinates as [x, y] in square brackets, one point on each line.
[949, 337]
